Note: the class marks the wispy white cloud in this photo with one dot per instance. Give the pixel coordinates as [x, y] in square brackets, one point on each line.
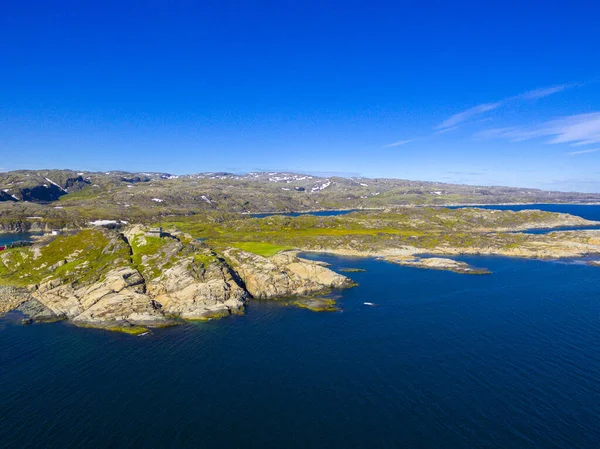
[577, 130]
[444, 131]
[572, 129]
[400, 142]
[468, 114]
[544, 92]
[475, 111]
[575, 153]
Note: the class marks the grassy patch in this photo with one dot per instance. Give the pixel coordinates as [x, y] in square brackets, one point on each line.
[131, 330]
[205, 259]
[317, 304]
[260, 248]
[80, 258]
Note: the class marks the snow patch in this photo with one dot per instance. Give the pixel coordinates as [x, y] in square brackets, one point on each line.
[102, 222]
[323, 186]
[52, 182]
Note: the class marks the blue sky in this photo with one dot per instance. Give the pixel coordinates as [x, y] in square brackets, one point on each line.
[503, 93]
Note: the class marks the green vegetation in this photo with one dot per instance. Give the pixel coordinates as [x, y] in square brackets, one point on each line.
[423, 228]
[88, 196]
[78, 258]
[205, 259]
[131, 330]
[260, 248]
[316, 304]
[150, 247]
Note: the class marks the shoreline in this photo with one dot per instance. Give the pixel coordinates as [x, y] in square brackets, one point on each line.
[393, 206]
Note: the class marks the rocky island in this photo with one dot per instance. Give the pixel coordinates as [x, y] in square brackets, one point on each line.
[131, 263]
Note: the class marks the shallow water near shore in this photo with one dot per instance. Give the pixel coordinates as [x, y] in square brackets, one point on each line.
[446, 360]
[5, 239]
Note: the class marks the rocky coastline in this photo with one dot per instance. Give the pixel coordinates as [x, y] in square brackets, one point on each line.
[135, 277]
[146, 282]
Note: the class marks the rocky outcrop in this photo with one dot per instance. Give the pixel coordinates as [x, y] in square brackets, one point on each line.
[100, 278]
[188, 279]
[118, 299]
[193, 292]
[283, 275]
[11, 298]
[438, 263]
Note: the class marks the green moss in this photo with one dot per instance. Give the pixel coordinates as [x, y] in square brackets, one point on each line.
[149, 249]
[205, 259]
[79, 258]
[260, 248]
[317, 304]
[131, 330]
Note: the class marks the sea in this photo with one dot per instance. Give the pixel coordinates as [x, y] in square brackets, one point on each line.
[415, 358]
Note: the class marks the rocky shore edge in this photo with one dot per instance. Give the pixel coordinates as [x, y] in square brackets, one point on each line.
[148, 282]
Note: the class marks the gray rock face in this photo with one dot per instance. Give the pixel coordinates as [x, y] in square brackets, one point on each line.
[38, 312]
[11, 298]
[116, 299]
[283, 275]
[193, 295]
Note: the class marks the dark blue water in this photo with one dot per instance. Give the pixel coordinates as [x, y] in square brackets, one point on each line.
[587, 211]
[5, 239]
[321, 213]
[509, 360]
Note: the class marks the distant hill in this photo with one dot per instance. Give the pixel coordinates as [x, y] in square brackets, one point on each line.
[254, 192]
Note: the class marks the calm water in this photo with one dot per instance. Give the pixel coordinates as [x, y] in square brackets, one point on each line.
[5, 239]
[589, 212]
[509, 360]
[321, 213]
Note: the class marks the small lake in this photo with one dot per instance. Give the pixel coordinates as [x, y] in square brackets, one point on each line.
[321, 213]
[6, 239]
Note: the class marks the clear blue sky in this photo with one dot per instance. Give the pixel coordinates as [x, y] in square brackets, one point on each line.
[472, 92]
